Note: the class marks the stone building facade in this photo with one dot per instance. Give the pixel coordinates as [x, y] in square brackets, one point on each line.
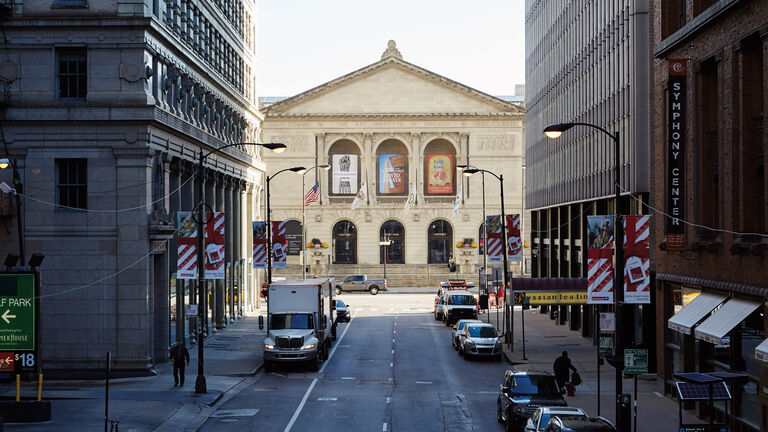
[393, 117]
[710, 93]
[106, 107]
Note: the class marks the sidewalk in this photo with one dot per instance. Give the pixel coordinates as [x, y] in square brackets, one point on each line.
[545, 341]
[152, 403]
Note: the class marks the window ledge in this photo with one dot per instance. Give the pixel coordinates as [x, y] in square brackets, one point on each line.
[753, 244]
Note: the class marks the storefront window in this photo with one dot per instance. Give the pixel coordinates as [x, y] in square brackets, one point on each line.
[344, 243]
[394, 253]
[440, 242]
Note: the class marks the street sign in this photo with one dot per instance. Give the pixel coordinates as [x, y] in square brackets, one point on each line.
[607, 322]
[704, 428]
[190, 310]
[526, 303]
[606, 346]
[635, 361]
[18, 322]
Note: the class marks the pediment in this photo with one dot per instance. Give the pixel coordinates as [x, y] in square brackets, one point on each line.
[392, 86]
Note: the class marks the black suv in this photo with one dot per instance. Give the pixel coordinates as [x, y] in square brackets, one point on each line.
[521, 393]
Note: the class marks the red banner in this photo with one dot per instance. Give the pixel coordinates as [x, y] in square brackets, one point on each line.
[186, 258]
[214, 245]
[259, 245]
[279, 245]
[637, 277]
[514, 240]
[600, 260]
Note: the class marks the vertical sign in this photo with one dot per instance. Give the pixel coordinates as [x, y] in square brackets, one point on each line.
[440, 174]
[18, 323]
[637, 277]
[600, 260]
[260, 245]
[344, 174]
[214, 245]
[675, 230]
[493, 230]
[514, 241]
[186, 262]
[279, 245]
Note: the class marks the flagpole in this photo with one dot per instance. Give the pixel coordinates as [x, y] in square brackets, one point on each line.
[303, 231]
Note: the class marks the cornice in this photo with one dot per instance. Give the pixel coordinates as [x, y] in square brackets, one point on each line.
[400, 116]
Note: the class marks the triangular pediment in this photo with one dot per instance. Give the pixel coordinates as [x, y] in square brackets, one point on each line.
[392, 86]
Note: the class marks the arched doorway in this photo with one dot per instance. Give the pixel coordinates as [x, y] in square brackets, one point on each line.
[439, 242]
[395, 253]
[344, 243]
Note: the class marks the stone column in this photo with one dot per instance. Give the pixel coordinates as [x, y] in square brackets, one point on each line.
[249, 302]
[229, 232]
[188, 203]
[174, 205]
[218, 307]
[237, 252]
[210, 200]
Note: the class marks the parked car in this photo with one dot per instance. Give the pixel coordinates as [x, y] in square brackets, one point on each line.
[541, 416]
[342, 312]
[361, 283]
[579, 424]
[458, 305]
[456, 331]
[521, 393]
[439, 308]
[452, 284]
[480, 340]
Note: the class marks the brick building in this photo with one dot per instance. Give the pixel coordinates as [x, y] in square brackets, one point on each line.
[708, 176]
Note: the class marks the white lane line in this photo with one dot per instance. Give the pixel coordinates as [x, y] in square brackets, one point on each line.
[388, 399]
[487, 392]
[394, 331]
[423, 382]
[384, 428]
[314, 381]
[347, 378]
[393, 351]
[275, 373]
[393, 341]
[326, 399]
[391, 364]
[344, 346]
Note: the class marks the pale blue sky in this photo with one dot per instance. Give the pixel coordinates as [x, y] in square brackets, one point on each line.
[304, 43]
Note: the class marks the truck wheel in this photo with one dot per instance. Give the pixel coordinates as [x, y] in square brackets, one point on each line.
[333, 331]
[315, 364]
[373, 290]
[267, 366]
[338, 290]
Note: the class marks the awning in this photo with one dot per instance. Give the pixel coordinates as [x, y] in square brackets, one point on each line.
[731, 314]
[697, 309]
[761, 351]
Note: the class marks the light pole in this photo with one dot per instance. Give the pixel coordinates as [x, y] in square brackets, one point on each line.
[200, 385]
[554, 131]
[19, 191]
[386, 242]
[509, 326]
[324, 167]
[485, 240]
[300, 170]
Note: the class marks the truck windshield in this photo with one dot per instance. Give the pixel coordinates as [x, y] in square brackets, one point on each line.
[463, 300]
[292, 321]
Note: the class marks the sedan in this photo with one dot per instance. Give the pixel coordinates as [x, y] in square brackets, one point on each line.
[540, 418]
[480, 340]
[342, 312]
[456, 331]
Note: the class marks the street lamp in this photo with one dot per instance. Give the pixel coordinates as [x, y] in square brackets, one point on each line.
[300, 170]
[200, 385]
[324, 167]
[386, 242]
[509, 326]
[4, 163]
[462, 167]
[554, 131]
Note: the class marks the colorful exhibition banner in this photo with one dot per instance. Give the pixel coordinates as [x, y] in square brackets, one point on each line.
[493, 229]
[279, 245]
[637, 276]
[440, 174]
[676, 154]
[186, 261]
[600, 260]
[344, 174]
[392, 174]
[514, 240]
[260, 245]
[214, 245]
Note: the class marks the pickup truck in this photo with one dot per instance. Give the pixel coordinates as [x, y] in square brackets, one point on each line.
[361, 283]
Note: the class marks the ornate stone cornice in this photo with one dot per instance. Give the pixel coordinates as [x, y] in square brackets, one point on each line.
[400, 116]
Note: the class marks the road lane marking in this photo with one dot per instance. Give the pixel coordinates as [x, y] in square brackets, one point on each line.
[384, 428]
[391, 364]
[347, 378]
[326, 399]
[423, 382]
[393, 341]
[394, 331]
[275, 373]
[393, 351]
[388, 399]
[314, 381]
[487, 392]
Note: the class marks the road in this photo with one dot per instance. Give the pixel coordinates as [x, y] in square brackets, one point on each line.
[392, 369]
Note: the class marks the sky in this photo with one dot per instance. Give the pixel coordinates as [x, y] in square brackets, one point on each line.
[305, 43]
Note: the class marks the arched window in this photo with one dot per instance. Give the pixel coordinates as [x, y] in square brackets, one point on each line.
[294, 236]
[344, 159]
[439, 168]
[344, 243]
[392, 168]
[393, 231]
[439, 242]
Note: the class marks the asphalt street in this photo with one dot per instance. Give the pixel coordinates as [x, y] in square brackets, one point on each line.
[391, 368]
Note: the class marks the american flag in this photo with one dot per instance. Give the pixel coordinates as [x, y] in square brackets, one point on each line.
[312, 194]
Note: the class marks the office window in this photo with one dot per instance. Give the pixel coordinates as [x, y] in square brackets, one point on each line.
[708, 153]
[71, 183]
[752, 152]
[72, 73]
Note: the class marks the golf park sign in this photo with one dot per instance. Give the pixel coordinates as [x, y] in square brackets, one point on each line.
[18, 322]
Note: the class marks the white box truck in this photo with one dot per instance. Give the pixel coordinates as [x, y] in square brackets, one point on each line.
[300, 322]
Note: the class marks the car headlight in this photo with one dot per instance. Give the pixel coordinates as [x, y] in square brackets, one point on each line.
[268, 346]
[308, 346]
[469, 342]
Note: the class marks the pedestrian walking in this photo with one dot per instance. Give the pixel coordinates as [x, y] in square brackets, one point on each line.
[562, 369]
[179, 353]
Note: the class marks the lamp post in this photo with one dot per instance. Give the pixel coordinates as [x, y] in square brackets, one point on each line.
[19, 191]
[554, 131]
[200, 385]
[300, 170]
[386, 242]
[509, 326]
[324, 167]
[485, 240]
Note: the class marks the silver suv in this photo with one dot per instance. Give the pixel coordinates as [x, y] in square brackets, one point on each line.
[480, 340]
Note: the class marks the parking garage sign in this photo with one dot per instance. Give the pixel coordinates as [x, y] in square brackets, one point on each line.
[17, 311]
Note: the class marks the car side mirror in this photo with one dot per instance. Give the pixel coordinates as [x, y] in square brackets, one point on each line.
[261, 322]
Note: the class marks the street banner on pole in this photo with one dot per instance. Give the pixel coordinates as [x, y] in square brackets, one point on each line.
[411, 200]
[493, 230]
[260, 245]
[186, 262]
[279, 245]
[514, 241]
[637, 277]
[360, 197]
[600, 260]
[214, 245]
[457, 201]
[676, 154]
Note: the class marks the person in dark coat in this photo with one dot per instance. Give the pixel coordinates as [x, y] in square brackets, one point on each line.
[179, 353]
[562, 367]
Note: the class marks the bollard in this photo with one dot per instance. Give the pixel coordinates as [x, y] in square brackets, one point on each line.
[18, 387]
[39, 387]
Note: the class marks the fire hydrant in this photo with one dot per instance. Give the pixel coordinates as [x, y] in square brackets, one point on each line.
[570, 388]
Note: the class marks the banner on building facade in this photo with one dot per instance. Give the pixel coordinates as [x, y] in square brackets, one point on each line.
[260, 245]
[440, 174]
[186, 261]
[493, 230]
[392, 173]
[637, 274]
[214, 245]
[514, 239]
[279, 245]
[676, 126]
[600, 260]
[344, 174]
